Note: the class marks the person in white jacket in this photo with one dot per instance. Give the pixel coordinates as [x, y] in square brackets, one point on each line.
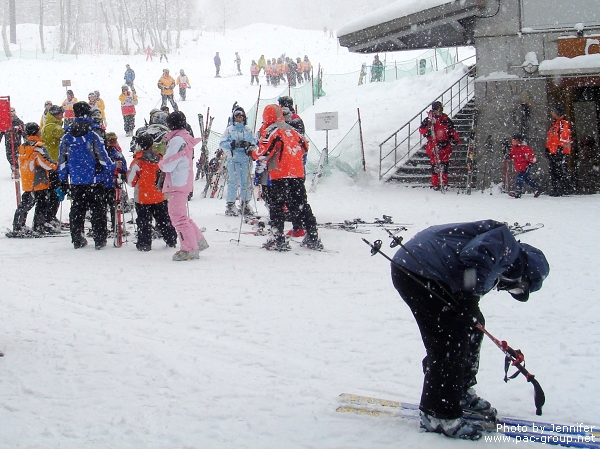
[177, 166]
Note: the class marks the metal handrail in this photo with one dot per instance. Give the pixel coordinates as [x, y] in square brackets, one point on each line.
[404, 142]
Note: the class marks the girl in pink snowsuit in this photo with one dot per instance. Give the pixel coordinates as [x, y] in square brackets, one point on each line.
[177, 165]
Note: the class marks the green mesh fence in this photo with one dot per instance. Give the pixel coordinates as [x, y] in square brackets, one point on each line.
[346, 156]
[50, 54]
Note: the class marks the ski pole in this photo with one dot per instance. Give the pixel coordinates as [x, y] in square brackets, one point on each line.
[515, 357]
[244, 201]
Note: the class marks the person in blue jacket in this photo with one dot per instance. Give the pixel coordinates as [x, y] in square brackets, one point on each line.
[83, 165]
[441, 274]
[237, 141]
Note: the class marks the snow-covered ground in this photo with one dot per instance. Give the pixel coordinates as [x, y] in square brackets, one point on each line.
[246, 348]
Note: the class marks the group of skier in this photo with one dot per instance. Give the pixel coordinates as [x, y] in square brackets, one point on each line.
[279, 149]
[439, 130]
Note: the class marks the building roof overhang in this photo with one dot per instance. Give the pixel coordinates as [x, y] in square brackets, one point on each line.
[447, 25]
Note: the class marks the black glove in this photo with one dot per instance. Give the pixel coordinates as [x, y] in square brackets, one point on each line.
[425, 122]
[248, 150]
[233, 144]
[245, 145]
[98, 168]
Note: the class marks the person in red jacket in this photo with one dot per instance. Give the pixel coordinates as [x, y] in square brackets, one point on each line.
[149, 200]
[441, 135]
[280, 152]
[523, 159]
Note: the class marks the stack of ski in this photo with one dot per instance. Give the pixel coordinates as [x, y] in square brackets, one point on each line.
[356, 225]
[520, 430]
[213, 169]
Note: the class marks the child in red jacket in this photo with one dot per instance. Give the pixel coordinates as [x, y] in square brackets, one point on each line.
[523, 159]
[149, 200]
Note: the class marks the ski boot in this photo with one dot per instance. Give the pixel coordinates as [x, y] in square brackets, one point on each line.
[277, 243]
[452, 428]
[296, 232]
[186, 255]
[202, 244]
[247, 210]
[230, 210]
[80, 242]
[477, 408]
[312, 241]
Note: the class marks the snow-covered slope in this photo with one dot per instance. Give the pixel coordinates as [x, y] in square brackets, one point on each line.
[247, 348]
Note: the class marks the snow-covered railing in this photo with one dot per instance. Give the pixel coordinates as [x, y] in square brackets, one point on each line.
[397, 149]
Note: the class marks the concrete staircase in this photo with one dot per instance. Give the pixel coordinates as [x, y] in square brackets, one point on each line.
[416, 172]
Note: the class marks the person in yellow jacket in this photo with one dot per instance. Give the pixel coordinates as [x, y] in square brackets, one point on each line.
[166, 84]
[558, 149]
[34, 164]
[100, 104]
[262, 64]
[52, 132]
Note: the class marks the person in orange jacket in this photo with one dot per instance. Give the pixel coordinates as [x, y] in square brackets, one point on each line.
[149, 200]
[166, 84]
[558, 149]
[34, 164]
[280, 152]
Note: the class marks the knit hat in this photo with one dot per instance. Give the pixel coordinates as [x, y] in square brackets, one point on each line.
[176, 120]
[56, 109]
[145, 141]
[81, 109]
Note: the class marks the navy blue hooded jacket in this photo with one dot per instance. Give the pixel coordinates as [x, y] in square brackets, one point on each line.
[470, 257]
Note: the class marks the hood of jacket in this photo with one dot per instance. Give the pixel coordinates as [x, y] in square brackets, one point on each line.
[150, 156]
[272, 114]
[185, 135]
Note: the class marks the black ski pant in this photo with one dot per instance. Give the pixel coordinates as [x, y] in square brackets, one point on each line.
[39, 199]
[160, 213]
[290, 192]
[556, 163]
[53, 201]
[129, 123]
[90, 197]
[452, 342]
[182, 92]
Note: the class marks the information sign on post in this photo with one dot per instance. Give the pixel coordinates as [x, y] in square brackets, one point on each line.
[325, 121]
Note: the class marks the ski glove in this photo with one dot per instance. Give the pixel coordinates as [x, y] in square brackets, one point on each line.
[233, 144]
[249, 149]
[62, 190]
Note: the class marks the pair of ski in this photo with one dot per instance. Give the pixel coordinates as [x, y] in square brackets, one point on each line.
[520, 430]
[30, 234]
